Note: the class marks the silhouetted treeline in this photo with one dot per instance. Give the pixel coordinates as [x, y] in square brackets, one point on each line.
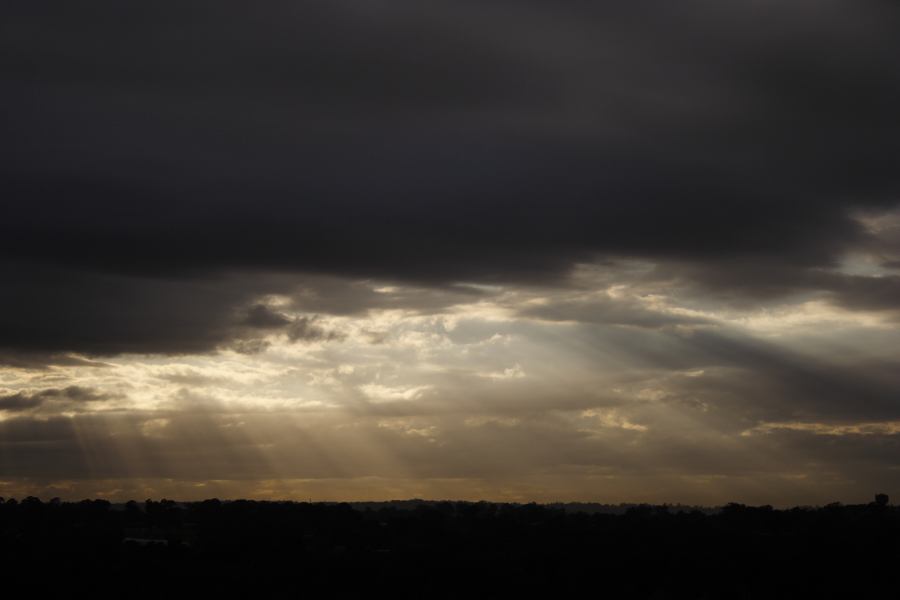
[255, 549]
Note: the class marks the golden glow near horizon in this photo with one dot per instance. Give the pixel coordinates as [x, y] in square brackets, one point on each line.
[608, 390]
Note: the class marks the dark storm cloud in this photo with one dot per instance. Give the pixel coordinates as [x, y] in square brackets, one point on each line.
[99, 313]
[149, 146]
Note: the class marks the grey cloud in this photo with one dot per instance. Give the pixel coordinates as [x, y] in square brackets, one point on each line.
[867, 293]
[17, 402]
[61, 398]
[305, 328]
[747, 284]
[260, 316]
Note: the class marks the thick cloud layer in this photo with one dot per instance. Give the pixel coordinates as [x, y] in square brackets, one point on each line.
[499, 141]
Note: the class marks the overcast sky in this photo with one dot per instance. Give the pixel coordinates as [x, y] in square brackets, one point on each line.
[477, 249]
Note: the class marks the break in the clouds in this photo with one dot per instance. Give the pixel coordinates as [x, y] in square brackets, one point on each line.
[506, 249]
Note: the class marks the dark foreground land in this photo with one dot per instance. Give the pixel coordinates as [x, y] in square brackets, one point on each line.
[248, 549]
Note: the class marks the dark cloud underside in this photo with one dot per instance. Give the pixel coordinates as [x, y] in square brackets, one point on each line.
[149, 147]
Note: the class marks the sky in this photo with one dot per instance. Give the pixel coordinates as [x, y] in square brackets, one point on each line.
[529, 250]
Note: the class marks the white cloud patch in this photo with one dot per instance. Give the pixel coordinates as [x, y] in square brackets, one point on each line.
[384, 393]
